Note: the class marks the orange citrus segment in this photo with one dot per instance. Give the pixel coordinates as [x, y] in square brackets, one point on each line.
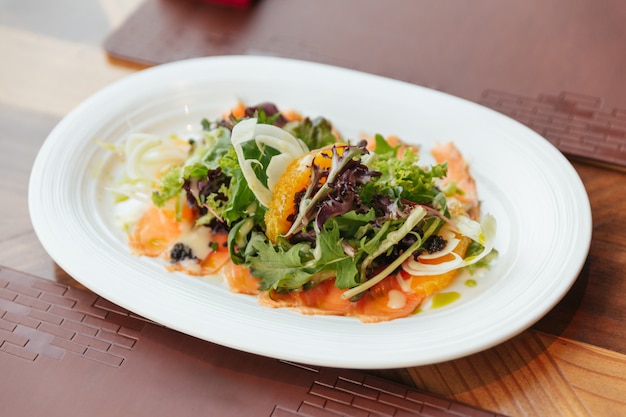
[296, 178]
[430, 284]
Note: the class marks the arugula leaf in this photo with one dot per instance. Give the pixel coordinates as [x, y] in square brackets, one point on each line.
[278, 268]
[351, 222]
[262, 150]
[289, 267]
[330, 256]
[261, 153]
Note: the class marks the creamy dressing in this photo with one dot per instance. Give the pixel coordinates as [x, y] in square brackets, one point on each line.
[405, 284]
[190, 266]
[396, 299]
[198, 239]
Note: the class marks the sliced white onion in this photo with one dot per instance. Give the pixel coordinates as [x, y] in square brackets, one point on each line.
[269, 135]
[276, 168]
[484, 234]
[451, 244]
[405, 284]
[148, 155]
[134, 190]
[414, 267]
[135, 147]
[468, 227]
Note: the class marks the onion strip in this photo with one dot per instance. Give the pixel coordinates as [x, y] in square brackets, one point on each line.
[290, 148]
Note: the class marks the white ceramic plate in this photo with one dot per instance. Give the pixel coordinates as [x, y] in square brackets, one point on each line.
[542, 210]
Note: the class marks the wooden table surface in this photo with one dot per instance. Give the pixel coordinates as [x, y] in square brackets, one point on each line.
[571, 363]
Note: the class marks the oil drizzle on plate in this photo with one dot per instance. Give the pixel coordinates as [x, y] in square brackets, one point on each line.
[471, 283]
[444, 298]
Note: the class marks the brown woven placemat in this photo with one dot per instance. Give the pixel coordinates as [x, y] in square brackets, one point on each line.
[555, 66]
[66, 351]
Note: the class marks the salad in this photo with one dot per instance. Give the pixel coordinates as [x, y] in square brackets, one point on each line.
[291, 212]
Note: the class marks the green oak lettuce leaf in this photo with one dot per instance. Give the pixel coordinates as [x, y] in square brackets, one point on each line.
[403, 178]
[204, 155]
[214, 151]
[170, 186]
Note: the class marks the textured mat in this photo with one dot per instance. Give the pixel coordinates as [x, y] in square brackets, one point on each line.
[66, 351]
[555, 66]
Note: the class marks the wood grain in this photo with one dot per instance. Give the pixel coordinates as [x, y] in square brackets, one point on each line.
[571, 363]
[72, 72]
[534, 374]
[591, 312]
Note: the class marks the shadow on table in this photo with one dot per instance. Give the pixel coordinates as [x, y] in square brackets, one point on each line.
[559, 318]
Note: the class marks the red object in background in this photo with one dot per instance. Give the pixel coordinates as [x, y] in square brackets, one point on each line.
[235, 3]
